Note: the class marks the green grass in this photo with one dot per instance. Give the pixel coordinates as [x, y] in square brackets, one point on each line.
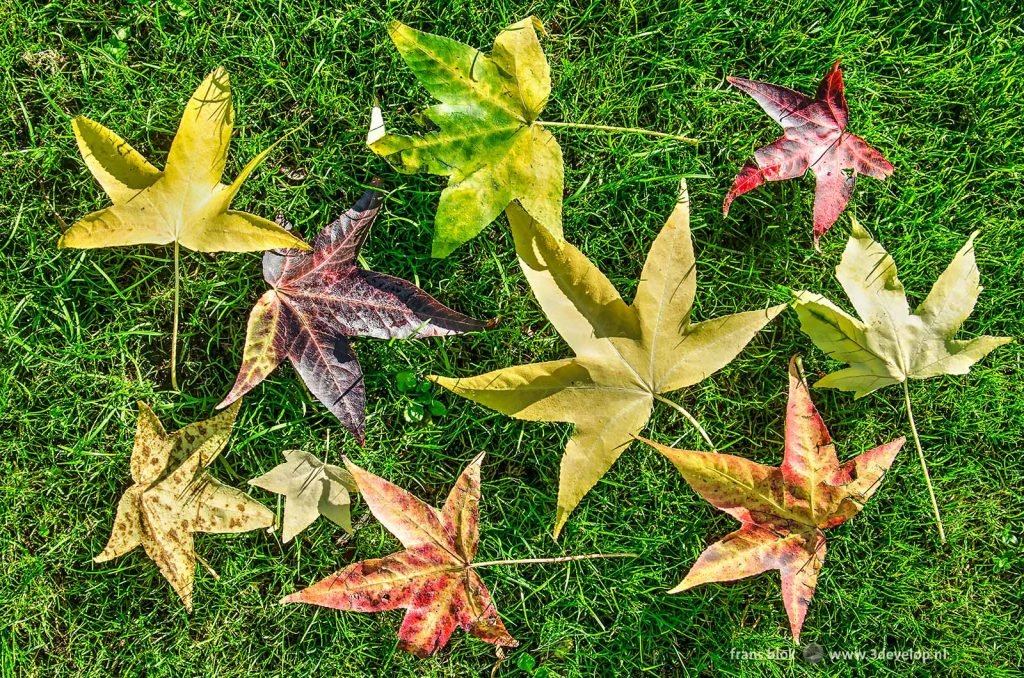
[83, 335]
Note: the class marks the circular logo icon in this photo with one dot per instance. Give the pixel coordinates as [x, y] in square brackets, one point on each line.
[813, 653]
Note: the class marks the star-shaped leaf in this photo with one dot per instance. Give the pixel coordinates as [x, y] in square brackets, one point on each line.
[488, 141]
[889, 344]
[185, 203]
[783, 510]
[311, 488]
[626, 355]
[319, 299]
[433, 579]
[815, 139]
[174, 495]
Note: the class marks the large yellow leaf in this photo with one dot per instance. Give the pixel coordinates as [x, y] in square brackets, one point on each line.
[186, 203]
[626, 355]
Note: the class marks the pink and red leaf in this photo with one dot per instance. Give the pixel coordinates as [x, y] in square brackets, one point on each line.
[814, 138]
[783, 511]
[432, 579]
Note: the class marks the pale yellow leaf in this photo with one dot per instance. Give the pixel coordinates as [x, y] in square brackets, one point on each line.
[888, 344]
[625, 354]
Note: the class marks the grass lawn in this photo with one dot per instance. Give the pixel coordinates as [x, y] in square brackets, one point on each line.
[85, 334]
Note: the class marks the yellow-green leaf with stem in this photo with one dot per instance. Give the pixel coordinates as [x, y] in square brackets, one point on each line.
[888, 344]
[489, 142]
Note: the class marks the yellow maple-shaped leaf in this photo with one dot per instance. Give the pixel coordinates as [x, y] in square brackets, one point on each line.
[174, 495]
[889, 344]
[627, 356]
[186, 203]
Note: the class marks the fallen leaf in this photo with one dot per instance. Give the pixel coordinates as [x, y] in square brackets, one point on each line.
[890, 344]
[815, 139]
[488, 141]
[433, 579]
[319, 299]
[783, 510]
[626, 355]
[174, 495]
[311, 488]
[185, 203]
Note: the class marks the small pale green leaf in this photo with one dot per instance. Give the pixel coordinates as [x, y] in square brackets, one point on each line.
[311, 489]
[889, 344]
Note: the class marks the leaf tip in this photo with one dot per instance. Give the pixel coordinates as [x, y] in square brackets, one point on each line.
[352, 469]
[538, 25]
[681, 586]
[443, 382]
[561, 515]
[77, 122]
[377, 129]
[857, 230]
[440, 249]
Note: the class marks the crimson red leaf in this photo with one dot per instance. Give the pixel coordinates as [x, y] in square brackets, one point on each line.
[432, 579]
[319, 299]
[783, 510]
[815, 139]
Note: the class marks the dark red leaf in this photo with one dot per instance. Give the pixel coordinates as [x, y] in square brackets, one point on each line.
[815, 139]
[321, 298]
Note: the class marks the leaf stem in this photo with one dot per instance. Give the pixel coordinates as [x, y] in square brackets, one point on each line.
[208, 567]
[924, 465]
[682, 410]
[612, 128]
[174, 331]
[560, 559]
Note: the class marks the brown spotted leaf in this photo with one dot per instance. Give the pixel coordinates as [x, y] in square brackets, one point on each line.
[432, 579]
[783, 510]
[321, 298]
[174, 495]
[815, 139]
